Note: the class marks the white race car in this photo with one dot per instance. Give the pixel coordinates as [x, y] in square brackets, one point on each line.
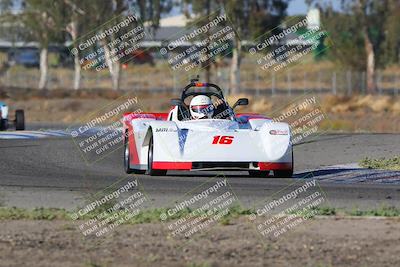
[19, 120]
[201, 135]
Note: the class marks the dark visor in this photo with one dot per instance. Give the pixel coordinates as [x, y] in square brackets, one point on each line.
[202, 108]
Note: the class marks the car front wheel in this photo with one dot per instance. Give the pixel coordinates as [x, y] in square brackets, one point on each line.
[19, 120]
[150, 170]
[127, 159]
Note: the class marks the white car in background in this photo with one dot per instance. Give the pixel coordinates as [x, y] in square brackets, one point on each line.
[19, 121]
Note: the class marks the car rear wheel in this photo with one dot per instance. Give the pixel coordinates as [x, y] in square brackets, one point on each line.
[283, 173]
[19, 120]
[150, 170]
[127, 159]
[3, 124]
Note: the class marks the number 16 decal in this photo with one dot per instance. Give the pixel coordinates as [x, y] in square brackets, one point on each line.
[222, 140]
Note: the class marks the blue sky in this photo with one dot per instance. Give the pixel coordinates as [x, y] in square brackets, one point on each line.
[297, 7]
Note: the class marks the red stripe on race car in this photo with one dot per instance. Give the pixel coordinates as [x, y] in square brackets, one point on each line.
[166, 165]
[133, 154]
[275, 165]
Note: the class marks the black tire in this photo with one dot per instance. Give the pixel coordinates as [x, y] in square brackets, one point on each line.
[261, 174]
[150, 170]
[283, 173]
[19, 120]
[3, 124]
[127, 159]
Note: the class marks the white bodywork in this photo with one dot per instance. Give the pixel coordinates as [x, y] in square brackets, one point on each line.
[176, 141]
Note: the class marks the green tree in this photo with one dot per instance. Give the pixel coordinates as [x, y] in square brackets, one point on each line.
[41, 21]
[372, 15]
[99, 13]
[73, 22]
[151, 11]
[205, 9]
[391, 45]
[251, 19]
[360, 34]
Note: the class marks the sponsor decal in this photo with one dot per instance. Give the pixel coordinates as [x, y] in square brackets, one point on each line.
[165, 130]
[182, 135]
[279, 132]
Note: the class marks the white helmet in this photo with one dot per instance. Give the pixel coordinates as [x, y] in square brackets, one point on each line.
[201, 107]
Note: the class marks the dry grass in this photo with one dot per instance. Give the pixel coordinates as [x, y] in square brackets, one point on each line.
[381, 163]
[261, 105]
[351, 114]
[304, 75]
[365, 104]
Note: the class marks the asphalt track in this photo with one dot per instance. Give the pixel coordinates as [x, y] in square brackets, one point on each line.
[50, 172]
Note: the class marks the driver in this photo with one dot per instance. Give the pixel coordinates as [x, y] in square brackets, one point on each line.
[201, 107]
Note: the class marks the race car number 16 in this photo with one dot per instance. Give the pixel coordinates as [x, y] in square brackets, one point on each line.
[222, 140]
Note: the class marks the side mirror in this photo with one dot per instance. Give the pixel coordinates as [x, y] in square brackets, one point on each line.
[176, 102]
[241, 102]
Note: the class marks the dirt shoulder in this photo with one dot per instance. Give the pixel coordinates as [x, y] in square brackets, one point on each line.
[327, 241]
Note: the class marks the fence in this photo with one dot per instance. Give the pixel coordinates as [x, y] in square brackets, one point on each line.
[252, 82]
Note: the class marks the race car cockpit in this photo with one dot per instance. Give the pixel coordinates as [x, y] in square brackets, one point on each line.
[203, 101]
